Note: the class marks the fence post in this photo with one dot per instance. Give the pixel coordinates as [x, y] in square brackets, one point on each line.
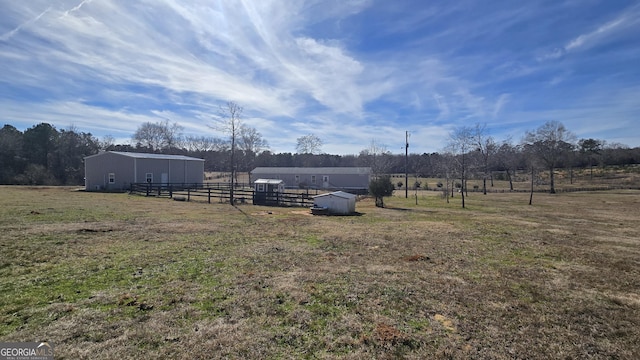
[188, 194]
[148, 188]
[209, 200]
[170, 191]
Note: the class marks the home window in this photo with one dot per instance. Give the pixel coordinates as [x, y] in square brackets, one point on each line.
[260, 187]
[149, 177]
[313, 179]
[112, 178]
[297, 179]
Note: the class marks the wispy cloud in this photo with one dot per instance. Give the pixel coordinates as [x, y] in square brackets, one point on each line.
[348, 71]
[627, 19]
[602, 31]
[500, 103]
[8, 35]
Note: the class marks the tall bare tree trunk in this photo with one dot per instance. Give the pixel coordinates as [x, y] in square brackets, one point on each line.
[510, 180]
[231, 125]
[531, 193]
[462, 184]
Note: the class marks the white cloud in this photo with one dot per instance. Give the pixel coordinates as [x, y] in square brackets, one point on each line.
[296, 67]
[620, 25]
[500, 103]
[443, 107]
[64, 114]
[586, 39]
[8, 35]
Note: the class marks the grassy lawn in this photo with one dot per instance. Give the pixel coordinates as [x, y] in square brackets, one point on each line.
[116, 276]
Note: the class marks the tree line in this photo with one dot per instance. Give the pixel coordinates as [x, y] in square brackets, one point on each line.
[44, 155]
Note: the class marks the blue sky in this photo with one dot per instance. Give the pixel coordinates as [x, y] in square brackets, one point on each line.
[347, 71]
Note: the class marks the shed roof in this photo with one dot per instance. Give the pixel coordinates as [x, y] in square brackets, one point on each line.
[312, 170]
[149, 156]
[341, 194]
[269, 181]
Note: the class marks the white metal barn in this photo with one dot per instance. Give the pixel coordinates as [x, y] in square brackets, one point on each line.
[115, 170]
[338, 202]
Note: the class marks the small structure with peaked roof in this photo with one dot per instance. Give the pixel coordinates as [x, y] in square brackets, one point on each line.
[267, 191]
[337, 202]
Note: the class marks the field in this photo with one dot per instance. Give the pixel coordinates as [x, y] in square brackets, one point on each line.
[105, 276]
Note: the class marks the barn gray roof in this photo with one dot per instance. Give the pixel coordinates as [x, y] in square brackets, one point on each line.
[150, 156]
[311, 170]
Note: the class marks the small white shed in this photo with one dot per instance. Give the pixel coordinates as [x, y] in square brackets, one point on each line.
[338, 202]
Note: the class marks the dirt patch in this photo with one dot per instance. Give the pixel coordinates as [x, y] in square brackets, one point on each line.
[445, 322]
[385, 333]
[418, 257]
[87, 230]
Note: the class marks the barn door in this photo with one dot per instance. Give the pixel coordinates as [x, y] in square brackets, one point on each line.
[325, 181]
[164, 178]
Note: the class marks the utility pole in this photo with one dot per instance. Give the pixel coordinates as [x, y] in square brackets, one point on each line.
[406, 164]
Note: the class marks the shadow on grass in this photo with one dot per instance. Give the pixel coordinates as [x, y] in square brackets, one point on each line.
[420, 210]
[242, 211]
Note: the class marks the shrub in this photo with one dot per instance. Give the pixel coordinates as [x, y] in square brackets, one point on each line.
[381, 187]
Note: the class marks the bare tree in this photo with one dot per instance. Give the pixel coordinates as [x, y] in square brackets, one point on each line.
[204, 144]
[591, 148]
[251, 143]
[171, 134]
[506, 158]
[486, 147]
[377, 157]
[533, 163]
[159, 135]
[148, 135]
[309, 144]
[446, 169]
[107, 142]
[549, 143]
[230, 124]
[460, 143]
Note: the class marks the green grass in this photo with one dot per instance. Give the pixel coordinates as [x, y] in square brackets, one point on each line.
[119, 276]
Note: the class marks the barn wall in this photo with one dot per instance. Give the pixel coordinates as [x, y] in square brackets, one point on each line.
[154, 166]
[194, 172]
[177, 170]
[98, 167]
[129, 169]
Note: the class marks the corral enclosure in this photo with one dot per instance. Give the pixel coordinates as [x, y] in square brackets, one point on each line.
[114, 275]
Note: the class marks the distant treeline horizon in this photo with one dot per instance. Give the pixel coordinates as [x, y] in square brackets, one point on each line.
[44, 155]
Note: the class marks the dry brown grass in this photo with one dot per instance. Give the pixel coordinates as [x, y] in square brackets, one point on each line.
[117, 276]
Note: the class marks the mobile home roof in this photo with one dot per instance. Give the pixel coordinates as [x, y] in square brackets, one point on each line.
[311, 170]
